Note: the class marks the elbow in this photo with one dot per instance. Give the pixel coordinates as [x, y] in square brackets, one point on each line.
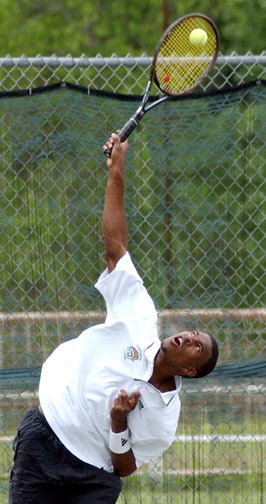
[112, 257]
[124, 464]
[125, 471]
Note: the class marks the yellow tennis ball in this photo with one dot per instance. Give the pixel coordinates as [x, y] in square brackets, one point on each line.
[198, 37]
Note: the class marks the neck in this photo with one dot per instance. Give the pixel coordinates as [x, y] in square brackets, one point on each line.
[163, 384]
[160, 377]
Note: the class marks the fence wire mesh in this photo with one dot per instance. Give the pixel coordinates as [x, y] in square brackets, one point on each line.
[116, 74]
[195, 201]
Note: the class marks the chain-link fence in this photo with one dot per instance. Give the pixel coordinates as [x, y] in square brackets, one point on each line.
[127, 75]
[195, 202]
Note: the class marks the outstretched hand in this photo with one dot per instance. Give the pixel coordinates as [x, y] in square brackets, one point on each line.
[119, 151]
[123, 405]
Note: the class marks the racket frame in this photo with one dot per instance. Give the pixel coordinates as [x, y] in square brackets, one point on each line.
[131, 124]
[209, 68]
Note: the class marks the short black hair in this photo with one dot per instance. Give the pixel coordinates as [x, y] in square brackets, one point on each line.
[209, 366]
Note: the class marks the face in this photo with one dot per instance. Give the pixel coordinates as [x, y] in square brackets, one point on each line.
[186, 352]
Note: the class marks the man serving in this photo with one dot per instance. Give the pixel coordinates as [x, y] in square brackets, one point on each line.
[108, 398]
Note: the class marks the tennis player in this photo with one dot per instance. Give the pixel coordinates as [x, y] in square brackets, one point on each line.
[108, 398]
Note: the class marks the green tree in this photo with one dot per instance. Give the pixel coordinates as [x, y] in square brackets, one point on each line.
[75, 27]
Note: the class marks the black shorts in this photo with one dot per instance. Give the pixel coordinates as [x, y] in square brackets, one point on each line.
[45, 472]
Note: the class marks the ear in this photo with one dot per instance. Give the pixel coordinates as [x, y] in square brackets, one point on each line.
[190, 372]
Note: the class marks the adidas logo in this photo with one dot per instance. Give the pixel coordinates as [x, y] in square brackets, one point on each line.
[141, 405]
[123, 441]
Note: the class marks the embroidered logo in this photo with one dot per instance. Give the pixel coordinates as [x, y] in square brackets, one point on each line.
[123, 441]
[133, 353]
[141, 405]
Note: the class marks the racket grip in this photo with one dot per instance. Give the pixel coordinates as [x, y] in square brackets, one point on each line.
[124, 133]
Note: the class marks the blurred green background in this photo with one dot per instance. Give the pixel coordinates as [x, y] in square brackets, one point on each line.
[32, 27]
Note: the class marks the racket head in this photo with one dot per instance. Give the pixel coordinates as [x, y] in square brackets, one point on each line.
[178, 66]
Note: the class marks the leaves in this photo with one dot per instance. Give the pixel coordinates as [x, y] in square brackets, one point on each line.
[110, 26]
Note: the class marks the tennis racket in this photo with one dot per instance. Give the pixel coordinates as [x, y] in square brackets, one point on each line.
[178, 65]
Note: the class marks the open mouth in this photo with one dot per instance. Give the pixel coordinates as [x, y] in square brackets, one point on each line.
[178, 340]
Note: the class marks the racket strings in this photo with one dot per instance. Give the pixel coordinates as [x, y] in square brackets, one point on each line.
[181, 65]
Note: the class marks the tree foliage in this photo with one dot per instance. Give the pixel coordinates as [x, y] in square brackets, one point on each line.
[75, 27]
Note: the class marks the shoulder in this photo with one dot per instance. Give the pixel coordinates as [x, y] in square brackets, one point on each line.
[125, 294]
[123, 269]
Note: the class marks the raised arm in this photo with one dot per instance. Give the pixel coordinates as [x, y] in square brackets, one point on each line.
[114, 219]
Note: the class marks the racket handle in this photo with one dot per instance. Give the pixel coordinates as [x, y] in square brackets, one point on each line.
[125, 132]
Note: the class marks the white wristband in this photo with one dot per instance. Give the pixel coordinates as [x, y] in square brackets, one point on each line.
[119, 442]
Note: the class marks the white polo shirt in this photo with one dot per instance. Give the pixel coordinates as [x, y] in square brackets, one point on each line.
[82, 377]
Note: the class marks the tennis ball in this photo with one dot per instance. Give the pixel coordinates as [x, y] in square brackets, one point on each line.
[198, 37]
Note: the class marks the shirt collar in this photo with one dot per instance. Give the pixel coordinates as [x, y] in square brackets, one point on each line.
[152, 350]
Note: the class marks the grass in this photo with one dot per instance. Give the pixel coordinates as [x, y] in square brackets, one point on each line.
[237, 490]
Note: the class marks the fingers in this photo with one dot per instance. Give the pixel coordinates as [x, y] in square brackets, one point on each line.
[110, 142]
[114, 143]
[123, 398]
[125, 402]
[134, 399]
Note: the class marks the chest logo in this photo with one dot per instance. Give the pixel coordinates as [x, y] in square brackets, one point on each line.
[132, 353]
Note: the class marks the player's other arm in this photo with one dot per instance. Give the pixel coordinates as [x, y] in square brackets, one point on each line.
[114, 219]
[124, 463]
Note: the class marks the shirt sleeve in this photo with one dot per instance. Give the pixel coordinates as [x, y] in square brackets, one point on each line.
[124, 293]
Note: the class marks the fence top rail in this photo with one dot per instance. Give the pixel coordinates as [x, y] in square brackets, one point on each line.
[128, 61]
[250, 314]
